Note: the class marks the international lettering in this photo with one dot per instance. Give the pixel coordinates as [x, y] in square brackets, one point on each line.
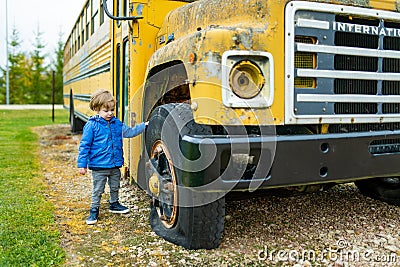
[366, 29]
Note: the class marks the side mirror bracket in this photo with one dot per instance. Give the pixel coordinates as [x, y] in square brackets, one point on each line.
[118, 18]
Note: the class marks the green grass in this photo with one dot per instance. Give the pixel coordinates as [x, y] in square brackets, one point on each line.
[28, 232]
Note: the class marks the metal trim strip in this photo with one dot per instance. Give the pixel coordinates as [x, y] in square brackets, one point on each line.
[312, 23]
[350, 98]
[82, 97]
[344, 74]
[343, 50]
[103, 68]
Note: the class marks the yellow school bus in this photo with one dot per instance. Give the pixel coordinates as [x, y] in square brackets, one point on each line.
[243, 96]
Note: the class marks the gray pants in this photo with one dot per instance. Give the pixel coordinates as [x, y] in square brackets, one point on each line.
[99, 183]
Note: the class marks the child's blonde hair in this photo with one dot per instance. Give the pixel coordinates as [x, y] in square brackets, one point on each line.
[101, 98]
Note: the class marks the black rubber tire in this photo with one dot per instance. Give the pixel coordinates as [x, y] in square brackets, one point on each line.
[198, 227]
[381, 189]
[76, 123]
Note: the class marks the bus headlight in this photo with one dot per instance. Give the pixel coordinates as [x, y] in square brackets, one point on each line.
[246, 79]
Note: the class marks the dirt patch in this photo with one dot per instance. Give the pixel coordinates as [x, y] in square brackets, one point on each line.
[338, 227]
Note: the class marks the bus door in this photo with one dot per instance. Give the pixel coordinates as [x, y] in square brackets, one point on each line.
[119, 32]
[120, 59]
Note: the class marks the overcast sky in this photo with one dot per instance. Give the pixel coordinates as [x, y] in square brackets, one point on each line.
[51, 16]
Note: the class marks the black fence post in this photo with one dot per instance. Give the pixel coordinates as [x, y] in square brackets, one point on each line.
[53, 96]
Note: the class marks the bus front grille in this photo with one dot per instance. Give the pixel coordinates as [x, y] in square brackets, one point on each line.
[355, 71]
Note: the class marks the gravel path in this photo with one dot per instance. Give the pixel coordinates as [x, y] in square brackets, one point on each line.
[338, 227]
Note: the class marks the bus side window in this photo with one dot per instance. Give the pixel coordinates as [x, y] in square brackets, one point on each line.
[118, 79]
[126, 3]
[83, 28]
[95, 15]
[120, 11]
[88, 16]
[101, 13]
[78, 29]
[125, 58]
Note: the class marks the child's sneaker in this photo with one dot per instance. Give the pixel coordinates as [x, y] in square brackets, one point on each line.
[93, 216]
[118, 208]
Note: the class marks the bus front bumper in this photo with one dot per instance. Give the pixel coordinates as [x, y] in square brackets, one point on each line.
[253, 162]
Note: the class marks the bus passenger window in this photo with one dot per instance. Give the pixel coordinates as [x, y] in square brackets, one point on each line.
[119, 10]
[83, 27]
[76, 38]
[74, 41]
[125, 58]
[118, 79]
[125, 14]
[78, 28]
[101, 13]
[88, 16]
[95, 15]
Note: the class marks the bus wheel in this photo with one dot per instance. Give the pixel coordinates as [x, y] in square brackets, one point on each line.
[384, 189]
[75, 122]
[174, 215]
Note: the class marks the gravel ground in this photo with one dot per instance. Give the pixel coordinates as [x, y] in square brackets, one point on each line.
[337, 227]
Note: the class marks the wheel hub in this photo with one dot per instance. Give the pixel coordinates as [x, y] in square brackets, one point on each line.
[154, 185]
[162, 184]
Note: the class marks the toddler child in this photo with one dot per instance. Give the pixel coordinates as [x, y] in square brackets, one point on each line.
[100, 150]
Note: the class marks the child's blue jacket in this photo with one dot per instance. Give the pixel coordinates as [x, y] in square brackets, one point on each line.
[101, 143]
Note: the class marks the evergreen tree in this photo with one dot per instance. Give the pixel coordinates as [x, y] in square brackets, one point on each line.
[2, 86]
[40, 88]
[58, 68]
[17, 72]
[30, 78]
